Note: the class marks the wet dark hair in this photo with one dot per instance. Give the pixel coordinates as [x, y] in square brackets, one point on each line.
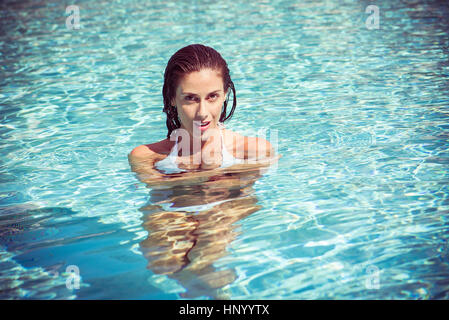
[194, 57]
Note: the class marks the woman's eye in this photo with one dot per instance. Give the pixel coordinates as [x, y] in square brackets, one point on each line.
[192, 98]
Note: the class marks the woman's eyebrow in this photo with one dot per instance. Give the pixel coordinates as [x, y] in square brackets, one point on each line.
[194, 94]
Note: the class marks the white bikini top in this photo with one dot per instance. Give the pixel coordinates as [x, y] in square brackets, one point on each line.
[168, 165]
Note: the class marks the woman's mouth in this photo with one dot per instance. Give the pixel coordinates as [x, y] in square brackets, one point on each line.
[204, 125]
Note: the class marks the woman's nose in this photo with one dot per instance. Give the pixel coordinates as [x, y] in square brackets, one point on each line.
[202, 109]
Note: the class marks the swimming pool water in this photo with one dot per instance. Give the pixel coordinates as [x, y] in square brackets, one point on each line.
[357, 207]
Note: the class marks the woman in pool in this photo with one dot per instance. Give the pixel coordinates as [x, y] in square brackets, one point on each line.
[192, 212]
[196, 92]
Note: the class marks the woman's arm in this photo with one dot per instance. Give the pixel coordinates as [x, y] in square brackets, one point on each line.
[142, 160]
[257, 148]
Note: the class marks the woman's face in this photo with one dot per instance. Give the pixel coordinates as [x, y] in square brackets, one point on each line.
[199, 100]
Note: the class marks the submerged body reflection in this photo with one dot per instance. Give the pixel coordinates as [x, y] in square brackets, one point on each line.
[190, 225]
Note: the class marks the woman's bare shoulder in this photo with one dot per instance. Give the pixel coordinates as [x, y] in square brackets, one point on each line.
[143, 158]
[151, 151]
[232, 136]
[253, 147]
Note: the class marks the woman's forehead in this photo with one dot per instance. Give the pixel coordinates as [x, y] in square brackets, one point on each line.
[203, 81]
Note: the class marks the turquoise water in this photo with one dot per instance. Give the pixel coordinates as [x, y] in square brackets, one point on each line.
[357, 207]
